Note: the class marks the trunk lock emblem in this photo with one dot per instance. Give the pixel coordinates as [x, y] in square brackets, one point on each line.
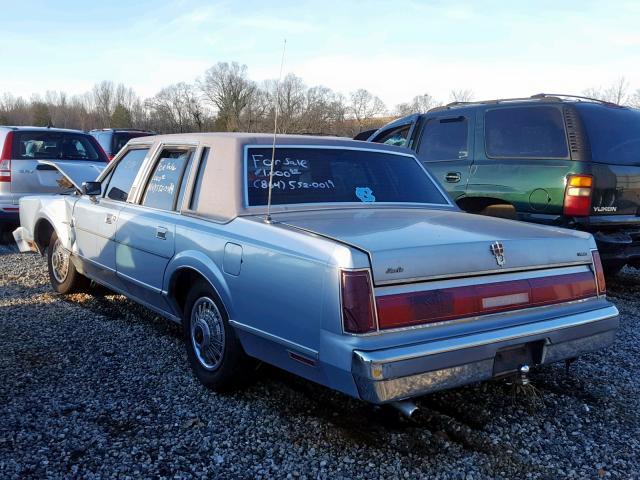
[498, 251]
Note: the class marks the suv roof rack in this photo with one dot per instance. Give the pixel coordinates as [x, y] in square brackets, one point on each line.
[555, 97]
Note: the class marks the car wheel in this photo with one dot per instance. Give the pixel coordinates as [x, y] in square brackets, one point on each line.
[63, 275]
[213, 349]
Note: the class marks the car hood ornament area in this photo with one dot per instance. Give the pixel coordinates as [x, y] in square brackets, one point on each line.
[498, 251]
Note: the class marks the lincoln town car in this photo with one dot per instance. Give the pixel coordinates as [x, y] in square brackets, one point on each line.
[341, 261]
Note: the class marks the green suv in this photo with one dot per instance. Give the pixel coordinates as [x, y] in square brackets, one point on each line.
[560, 160]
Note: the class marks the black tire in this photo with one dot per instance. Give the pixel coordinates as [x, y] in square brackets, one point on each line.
[72, 281]
[232, 368]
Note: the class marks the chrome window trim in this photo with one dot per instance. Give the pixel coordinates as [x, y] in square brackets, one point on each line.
[147, 168]
[112, 164]
[245, 177]
[152, 166]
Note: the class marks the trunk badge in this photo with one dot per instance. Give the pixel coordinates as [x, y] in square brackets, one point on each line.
[498, 251]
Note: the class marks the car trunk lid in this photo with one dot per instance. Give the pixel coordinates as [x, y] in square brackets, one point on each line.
[407, 245]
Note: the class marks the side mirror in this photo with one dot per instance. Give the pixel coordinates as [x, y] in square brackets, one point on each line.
[92, 189]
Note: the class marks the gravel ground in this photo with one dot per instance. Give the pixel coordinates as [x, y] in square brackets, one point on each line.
[96, 386]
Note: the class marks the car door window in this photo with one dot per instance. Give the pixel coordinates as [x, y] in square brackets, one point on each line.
[525, 132]
[395, 136]
[444, 139]
[124, 173]
[166, 179]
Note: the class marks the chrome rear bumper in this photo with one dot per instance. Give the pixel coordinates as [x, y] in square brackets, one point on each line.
[398, 373]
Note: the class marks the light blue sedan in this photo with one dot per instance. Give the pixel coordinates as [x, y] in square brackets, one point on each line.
[361, 275]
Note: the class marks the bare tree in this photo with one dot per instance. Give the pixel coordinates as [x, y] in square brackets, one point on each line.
[103, 100]
[465, 95]
[364, 106]
[616, 93]
[420, 104]
[227, 87]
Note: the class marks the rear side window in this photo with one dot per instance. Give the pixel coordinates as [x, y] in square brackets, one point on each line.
[614, 133]
[164, 184]
[396, 136]
[525, 132]
[56, 146]
[104, 139]
[120, 139]
[124, 173]
[444, 139]
[318, 175]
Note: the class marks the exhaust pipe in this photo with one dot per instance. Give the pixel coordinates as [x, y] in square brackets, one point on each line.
[405, 407]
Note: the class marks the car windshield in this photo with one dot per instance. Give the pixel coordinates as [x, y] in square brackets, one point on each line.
[614, 133]
[321, 175]
[56, 145]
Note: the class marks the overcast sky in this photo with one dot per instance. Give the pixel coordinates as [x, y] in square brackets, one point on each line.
[396, 49]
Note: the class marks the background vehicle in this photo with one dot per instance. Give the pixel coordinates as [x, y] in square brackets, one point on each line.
[553, 159]
[113, 139]
[364, 277]
[20, 172]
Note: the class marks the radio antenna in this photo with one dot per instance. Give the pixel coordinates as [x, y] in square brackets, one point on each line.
[267, 219]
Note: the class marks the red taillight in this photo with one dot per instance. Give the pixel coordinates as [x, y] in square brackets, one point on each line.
[440, 305]
[358, 309]
[597, 265]
[577, 195]
[5, 158]
[110, 157]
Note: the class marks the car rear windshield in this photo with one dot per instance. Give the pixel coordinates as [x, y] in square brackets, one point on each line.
[120, 139]
[614, 133]
[320, 175]
[56, 145]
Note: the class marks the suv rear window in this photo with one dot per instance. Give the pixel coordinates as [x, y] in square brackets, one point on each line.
[320, 175]
[56, 146]
[525, 132]
[614, 133]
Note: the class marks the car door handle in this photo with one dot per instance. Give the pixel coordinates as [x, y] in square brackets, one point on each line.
[453, 177]
[161, 233]
[110, 218]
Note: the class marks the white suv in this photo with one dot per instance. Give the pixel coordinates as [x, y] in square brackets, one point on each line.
[22, 173]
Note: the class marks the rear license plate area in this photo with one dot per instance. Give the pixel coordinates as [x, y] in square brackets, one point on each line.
[509, 359]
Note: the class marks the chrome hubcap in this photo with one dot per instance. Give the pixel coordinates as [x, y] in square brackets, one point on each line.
[59, 262]
[207, 333]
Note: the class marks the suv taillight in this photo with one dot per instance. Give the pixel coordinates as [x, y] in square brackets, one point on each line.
[577, 195]
[5, 158]
[358, 308]
[599, 271]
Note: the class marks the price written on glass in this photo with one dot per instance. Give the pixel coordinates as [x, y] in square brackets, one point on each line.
[284, 173]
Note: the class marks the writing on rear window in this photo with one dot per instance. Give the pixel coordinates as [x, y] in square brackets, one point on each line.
[323, 175]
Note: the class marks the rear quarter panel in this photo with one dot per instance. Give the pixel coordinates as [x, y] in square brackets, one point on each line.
[287, 292]
[533, 186]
